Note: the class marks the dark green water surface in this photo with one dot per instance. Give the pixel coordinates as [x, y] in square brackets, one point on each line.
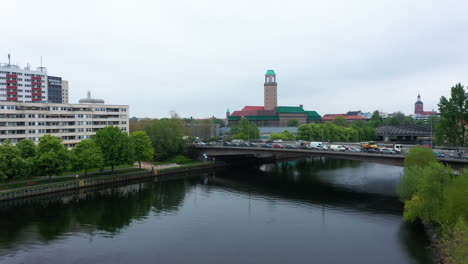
[305, 211]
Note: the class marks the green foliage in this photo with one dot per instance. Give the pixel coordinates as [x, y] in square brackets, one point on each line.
[245, 130]
[429, 189]
[86, 155]
[433, 193]
[408, 183]
[285, 135]
[293, 123]
[27, 148]
[339, 121]
[455, 200]
[456, 243]
[114, 145]
[331, 132]
[167, 137]
[52, 156]
[12, 165]
[419, 156]
[454, 117]
[376, 120]
[141, 147]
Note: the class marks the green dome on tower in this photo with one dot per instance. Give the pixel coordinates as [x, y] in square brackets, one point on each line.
[270, 72]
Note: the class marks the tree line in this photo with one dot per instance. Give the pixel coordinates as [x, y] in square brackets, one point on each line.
[434, 193]
[109, 147]
[166, 136]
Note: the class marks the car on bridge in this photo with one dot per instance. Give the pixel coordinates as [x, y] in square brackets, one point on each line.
[278, 146]
[337, 148]
[266, 146]
[278, 141]
[354, 149]
[291, 146]
[387, 151]
[438, 154]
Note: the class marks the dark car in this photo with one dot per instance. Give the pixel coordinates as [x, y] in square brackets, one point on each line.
[278, 146]
[227, 144]
[251, 144]
[266, 146]
[305, 147]
[438, 154]
[244, 144]
[291, 146]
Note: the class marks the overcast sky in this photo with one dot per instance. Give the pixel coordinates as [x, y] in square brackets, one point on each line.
[201, 57]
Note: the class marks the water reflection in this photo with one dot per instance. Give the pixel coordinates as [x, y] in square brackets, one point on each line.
[316, 195]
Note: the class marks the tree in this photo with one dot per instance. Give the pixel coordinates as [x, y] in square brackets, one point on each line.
[114, 145]
[167, 137]
[245, 130]
[339, 121]
[12, 164]
[27, 148]
[454, 116]
[141, 147]
[293, 123]
[52, 156]
[87, 155]
[285, 135]
[376, 120]
[419, 156]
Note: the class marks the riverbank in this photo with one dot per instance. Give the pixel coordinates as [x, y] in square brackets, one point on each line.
[436, 196]
[163, 172]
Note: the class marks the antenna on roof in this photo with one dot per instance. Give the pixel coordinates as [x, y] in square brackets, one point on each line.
[41, 63]
[9, 61]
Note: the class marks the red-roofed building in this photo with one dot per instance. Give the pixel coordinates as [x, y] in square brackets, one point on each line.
[272, 115]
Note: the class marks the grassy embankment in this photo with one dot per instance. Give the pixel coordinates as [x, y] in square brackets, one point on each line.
[66, 176]
[434, 194]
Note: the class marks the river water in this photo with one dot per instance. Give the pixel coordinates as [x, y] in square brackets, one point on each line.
[306, 211]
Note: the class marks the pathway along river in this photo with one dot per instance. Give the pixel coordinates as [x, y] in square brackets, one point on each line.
[304, 211]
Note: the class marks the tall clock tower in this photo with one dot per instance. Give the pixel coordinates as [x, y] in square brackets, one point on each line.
[270, 91]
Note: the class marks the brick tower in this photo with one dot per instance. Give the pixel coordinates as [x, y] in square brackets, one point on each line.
[270, 90]
[419, 106]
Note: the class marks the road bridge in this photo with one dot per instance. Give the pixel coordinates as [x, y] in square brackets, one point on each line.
[227, 153]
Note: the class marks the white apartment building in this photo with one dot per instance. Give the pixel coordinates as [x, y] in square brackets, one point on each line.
[22, 85]
[64, 92]
[70, 122]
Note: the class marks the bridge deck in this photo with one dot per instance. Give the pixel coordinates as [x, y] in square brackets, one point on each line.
[390, 159]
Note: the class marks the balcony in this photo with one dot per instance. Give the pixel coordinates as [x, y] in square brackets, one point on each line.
[36, 99]
[36, 94]
[12, 76]
[11, 81]
[35, 78]
[12, 99]
[10, 92]
[12, 87]
[37, 89]
[35, 83]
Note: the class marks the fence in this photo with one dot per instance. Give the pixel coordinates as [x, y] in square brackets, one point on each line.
[164, 174]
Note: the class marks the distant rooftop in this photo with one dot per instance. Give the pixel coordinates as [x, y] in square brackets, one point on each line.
[89, 100]
[270, 72]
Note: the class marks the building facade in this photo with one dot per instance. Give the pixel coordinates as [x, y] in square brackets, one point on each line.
[419, 113]
[69, 122]
[272, 115]
[54, 89]
[64, 92]
[22, 85]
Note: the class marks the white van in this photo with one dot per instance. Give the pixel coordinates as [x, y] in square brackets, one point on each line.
[337, 148]
[315, 145]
